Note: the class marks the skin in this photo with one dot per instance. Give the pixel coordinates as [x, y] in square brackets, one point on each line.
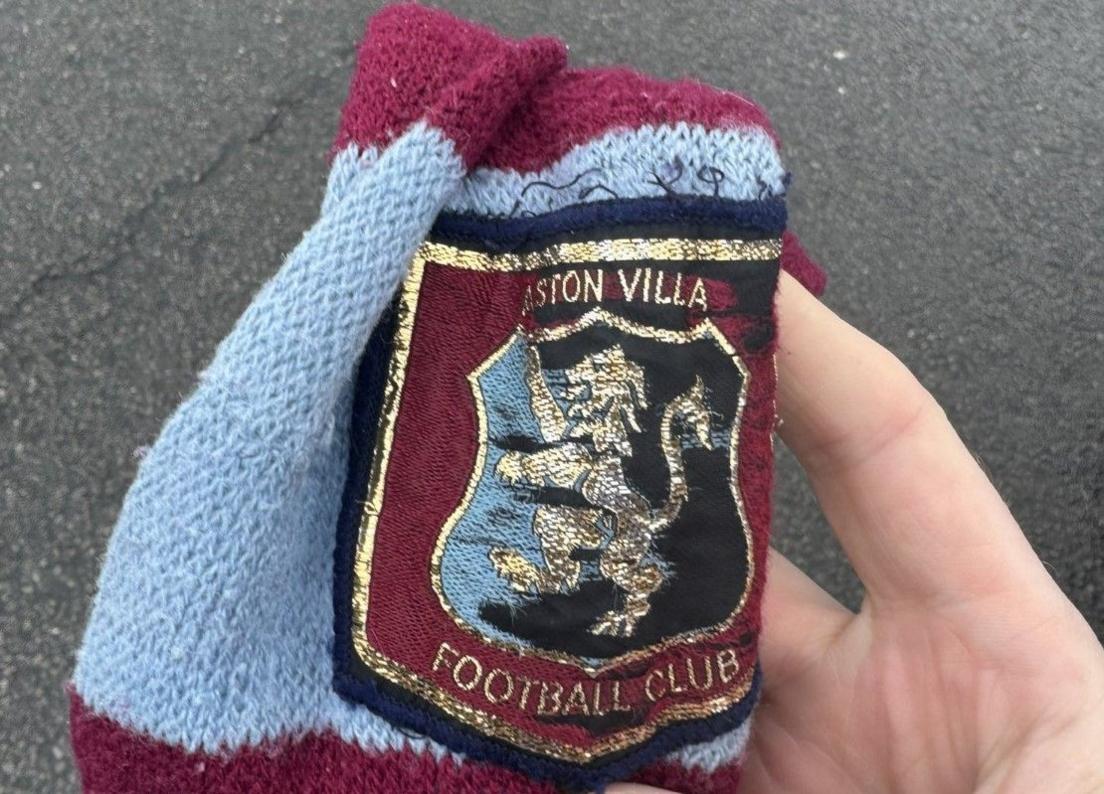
[966, 668]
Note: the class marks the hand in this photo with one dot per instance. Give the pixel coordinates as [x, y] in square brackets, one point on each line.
[966, 669]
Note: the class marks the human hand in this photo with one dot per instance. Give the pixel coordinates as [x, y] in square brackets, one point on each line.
[966, 668]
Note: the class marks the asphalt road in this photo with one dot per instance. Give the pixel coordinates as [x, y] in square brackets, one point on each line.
[157, 159]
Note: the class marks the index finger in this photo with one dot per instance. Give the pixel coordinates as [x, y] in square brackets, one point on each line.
[914, 512]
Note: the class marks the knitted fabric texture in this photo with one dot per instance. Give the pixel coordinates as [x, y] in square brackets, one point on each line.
[208, 662]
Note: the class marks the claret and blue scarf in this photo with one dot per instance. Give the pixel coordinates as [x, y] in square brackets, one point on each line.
[475, 496]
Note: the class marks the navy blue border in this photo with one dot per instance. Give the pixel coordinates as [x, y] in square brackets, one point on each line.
[418, 715]
[352, 679]
[696, 216]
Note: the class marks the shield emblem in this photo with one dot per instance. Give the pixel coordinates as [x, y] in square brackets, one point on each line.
[608, 465]
[547, 548]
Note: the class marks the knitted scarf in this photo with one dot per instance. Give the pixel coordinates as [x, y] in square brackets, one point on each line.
[475, 496]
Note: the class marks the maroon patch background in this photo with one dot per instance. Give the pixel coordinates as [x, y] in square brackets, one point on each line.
[462, 317]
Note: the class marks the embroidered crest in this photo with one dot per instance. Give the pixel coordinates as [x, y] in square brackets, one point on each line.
[547, 550]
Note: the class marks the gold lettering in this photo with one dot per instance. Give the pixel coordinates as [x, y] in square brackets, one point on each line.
[659, 288]
[487, 685]
[627, 290]
[524, 697]
[676, 689]
[707, 667]
[573, 277]
[644, 284]
[577, 700]
[617, 704]
[648, 685]
[552, 288]
[542, 702]
[677, 294]
[697, 295]
[592, 286]
[727, 664]
[596, 709]
[439, 660]
[477, 668]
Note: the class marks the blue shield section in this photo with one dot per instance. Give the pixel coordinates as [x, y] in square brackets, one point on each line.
[694, 533]
[497, 514]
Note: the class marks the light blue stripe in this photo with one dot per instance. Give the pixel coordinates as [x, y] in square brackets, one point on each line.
[213, 623]
[740, 164]
[626, 163]
[708, 756]
[212, 627]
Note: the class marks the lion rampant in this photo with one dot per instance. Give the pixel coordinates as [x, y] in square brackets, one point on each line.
[604, 391]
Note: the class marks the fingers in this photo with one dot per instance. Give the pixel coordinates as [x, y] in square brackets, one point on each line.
[912, 509]
[800, 620]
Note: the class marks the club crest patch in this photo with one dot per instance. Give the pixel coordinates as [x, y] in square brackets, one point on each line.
[548, 547]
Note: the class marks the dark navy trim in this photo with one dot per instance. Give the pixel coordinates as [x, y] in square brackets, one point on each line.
[725, 217]
[413, 713]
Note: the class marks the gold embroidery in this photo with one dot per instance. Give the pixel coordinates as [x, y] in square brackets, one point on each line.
[604, 391]
[576, 700]
[654, 676]
[549, 702]
[587, 286]
[497, 727]
[540, 698]
[477, 673]
[703, 330]
[707, 674]
[546, 417]
[631, 249]
[728, 666]
[506, 693]
[398, 674]
[392, 394]
[562, 531]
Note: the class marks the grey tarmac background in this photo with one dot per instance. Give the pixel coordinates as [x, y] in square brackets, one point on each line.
[158, 159]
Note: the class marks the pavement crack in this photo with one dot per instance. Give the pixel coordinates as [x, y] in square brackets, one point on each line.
[116, 243]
